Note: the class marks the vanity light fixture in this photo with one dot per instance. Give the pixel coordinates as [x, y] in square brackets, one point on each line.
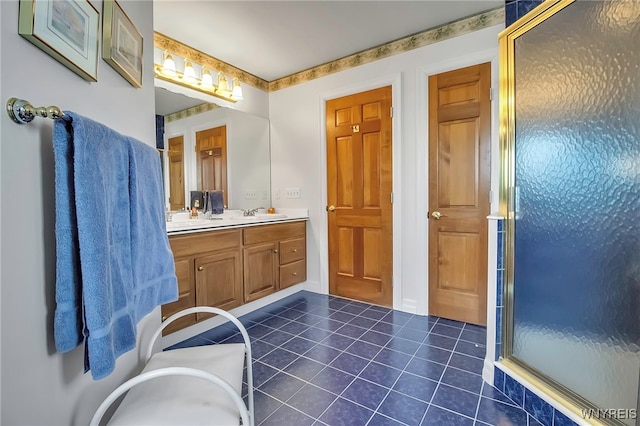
[169, 65]
[189, 75]
[207, 80]
[222, 83]
[237, 89]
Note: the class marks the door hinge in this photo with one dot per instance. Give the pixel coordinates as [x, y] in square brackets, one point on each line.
[391, 112]
[392, 198]
[491, 93]
[490, 196]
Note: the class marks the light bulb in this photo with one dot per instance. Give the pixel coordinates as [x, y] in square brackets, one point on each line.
[189, 75]
[207, 80]
[222, 82]
[169, 65]
[237, 89]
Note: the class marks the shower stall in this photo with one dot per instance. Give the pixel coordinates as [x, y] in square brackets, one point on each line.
[570, 193]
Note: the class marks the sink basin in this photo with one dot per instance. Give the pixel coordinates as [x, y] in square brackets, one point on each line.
[260, 216]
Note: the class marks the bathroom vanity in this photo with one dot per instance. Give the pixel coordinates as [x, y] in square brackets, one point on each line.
[226, 263]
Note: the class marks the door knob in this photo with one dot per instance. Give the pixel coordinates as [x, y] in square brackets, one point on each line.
[437, 215]
[331, 208]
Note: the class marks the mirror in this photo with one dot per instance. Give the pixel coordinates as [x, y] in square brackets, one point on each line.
[235, 154]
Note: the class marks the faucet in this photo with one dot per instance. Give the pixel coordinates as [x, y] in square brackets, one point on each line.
[250, 212]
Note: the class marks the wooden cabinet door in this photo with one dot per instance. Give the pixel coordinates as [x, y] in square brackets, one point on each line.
[186, 296]
[261, 265]
[219, 281]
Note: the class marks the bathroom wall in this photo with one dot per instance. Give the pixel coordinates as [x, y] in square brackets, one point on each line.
[298, 157]
[38, 385]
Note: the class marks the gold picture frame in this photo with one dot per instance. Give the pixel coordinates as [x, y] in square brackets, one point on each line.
[65, 29]
[121, 43]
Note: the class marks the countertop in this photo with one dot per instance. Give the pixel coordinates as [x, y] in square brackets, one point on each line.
[232, 219]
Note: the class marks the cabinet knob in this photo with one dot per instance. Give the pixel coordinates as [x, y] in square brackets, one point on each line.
[295, 274]
[164, 318]
[275, 251]
[294, 250]
[200, 268]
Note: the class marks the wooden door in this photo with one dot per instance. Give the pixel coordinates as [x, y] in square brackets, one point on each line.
[176, 173]
[459, 182]
[359, 185]
[219, 281]
[211, 156]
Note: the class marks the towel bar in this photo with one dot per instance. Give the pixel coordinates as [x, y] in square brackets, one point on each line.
[22, 112]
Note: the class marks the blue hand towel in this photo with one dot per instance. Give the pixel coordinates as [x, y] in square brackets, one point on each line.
[217, 202]
[117, 206]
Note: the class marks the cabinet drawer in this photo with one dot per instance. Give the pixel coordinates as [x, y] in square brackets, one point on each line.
[204, 242]
[292, 250]
[281, 231]
[293, 273]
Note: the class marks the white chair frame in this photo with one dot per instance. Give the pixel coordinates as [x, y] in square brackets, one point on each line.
[247, 415]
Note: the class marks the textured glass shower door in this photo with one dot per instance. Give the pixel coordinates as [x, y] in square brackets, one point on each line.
[576, 205]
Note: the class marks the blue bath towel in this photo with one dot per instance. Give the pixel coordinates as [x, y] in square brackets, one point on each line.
[120, 265]
[68, 322]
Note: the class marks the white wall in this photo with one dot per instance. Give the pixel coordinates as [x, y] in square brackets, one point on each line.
[299, 158]
[38, 385]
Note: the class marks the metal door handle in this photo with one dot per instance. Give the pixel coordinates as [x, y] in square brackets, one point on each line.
[331, 208]
[437, 215]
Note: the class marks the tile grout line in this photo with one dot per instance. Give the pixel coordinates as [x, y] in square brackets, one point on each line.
[429, 328]
[309, 382]
[379, 314]
[440, 382]
[413, 356]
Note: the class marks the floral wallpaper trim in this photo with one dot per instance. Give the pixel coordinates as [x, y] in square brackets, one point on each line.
[198, 109]
[425, 38]
[163, 42]
[434, 35]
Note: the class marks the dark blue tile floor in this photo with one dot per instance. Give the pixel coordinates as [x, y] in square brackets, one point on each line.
[324, 360]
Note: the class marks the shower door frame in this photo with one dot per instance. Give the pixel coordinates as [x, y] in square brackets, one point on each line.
[507, 38]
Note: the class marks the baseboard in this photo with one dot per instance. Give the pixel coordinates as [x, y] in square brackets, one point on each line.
[410, 306]
[488, 371]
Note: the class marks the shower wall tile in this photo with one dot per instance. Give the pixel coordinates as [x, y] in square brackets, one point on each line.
[516, 9]
[514, 390]
[538, 410]
[499, 284]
